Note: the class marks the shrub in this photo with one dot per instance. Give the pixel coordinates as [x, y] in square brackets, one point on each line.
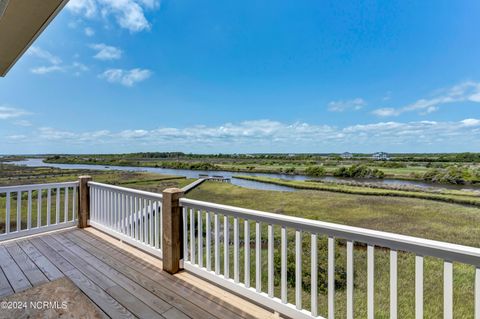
[450, 175]
[358, 171]
[315, 171]
[393, 165]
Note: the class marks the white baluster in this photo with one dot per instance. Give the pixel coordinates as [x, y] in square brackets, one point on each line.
[448, 290]
[298, 269]
[217, 244]
[371, 281]
[200, 238]
[39, 208]
[208, 244]
[314, 275]
[331, 277]
[19, 211]
[393, 284]
[7, 213]
[247, 253]
[226, 247]
[29, 210]
[418, 287]
[284, 256]
[258, 257]
[236, 248]
[270, 260]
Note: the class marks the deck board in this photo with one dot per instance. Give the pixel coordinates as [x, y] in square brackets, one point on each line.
[14, 274]
[121, 280]
[151, 281]
[108, 304]
[5, 288]
[49, 269]
[34, 275]
[144, 296]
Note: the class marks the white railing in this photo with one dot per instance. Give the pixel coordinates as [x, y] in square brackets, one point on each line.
[131, 215]
[33, 209]
[299, 267]
[207, 236]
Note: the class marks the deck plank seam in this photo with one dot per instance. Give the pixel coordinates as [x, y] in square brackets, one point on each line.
[95, 275]
[102, 272]
[23, 244]
[14, 244]
[4, 250]
[68, 273]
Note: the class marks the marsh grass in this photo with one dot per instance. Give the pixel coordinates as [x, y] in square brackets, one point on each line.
[457, 197]
[409, 216]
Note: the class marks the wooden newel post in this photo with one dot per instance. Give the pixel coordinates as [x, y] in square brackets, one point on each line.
[83, 201]
[171, 230]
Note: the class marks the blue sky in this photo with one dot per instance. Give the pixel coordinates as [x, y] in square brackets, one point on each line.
[248, 76]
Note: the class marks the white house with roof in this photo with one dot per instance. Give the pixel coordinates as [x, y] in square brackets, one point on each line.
[381, 156]
[346, 155]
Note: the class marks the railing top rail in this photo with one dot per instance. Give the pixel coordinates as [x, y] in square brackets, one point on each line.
[128, 191]
[18, 188]
[420, 246]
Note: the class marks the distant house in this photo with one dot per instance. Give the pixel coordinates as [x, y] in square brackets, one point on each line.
[381, 156]
[346, 155]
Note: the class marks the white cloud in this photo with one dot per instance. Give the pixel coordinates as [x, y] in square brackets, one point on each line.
[76, 68]
[131, 134]
[125, 77]
[87, 8]
[468, 91]
[346, 105]
[10, 112]
[106, 52]
[80, 66]
[24, 123]
[44, 54]
[16, 137]
[471, 122]
[151, 4]
[386, 111]
[56, 64]
[129, 14]
[89, 32]
[47, 69]
[51, 134]
[269, 135]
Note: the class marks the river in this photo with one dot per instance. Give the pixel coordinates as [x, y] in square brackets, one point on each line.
[38, 162]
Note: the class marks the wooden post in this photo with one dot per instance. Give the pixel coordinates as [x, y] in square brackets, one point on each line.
[172, 230]
[83, 201]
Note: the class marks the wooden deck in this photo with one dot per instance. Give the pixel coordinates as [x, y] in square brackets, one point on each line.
[121, 280]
